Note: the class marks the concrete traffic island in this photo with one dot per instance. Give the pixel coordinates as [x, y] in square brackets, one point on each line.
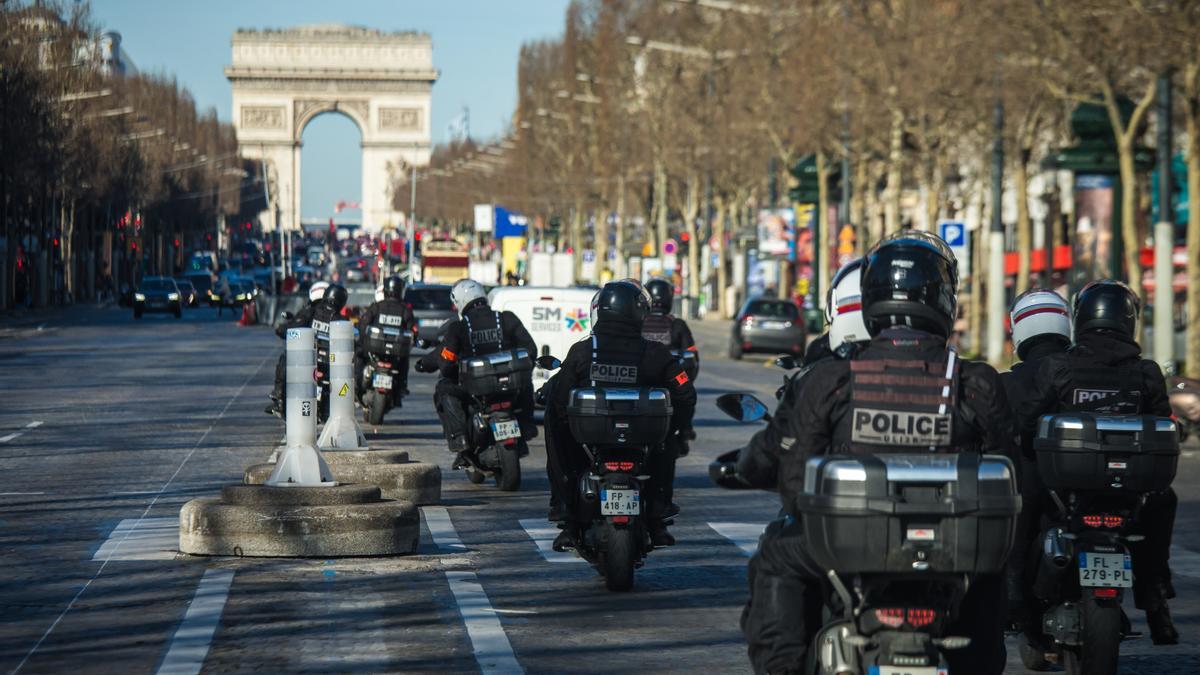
[389, 470]
[301, 509]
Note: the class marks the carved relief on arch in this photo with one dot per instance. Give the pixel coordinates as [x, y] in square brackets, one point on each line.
[400, 119]
[262, 117]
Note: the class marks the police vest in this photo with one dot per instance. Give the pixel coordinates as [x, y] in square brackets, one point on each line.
[657, 328]
[485, 333]
[1099, 389]
[900, 406]
[614, 367]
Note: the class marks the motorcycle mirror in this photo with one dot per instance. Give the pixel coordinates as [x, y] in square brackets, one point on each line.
[423, 343]
[547, 362]
[787, 362]
[722, 471]
[286, 316]
[743, 407]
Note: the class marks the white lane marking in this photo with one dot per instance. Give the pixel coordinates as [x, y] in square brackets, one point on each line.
[492, 650]
[1185, 562]
[146, 539]
[31, 425]
[20, 494]
[745, 535]
[100, 570]
[189, 646]
[543, 533]
[437, 519]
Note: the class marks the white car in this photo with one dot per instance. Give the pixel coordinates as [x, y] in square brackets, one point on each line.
[556, 318]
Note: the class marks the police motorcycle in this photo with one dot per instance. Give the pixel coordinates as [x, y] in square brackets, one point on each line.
[1098, 469]
[618, 427]
[900, 539]
[386, 346]
[494, 443]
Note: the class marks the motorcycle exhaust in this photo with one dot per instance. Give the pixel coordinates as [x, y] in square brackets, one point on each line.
[1055, 548]
[587, 488]
[1052, 565]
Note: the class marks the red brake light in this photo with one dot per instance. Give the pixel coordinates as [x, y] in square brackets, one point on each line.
[1105, 593]
[620, 520]
[385, 364]
[1114, 521]
[892, 616]
[1093, 521]
[619, 466]
[919, 618]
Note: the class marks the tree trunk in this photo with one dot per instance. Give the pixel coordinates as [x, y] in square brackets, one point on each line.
[858, 204]
[1131, 244]
[577, 238]
[619, 240]
[691, 214]
[722, 256]
[1192, 353]
[660, 203]
[1024, 226]
[975, 308]
[894, 173]
[821, 235]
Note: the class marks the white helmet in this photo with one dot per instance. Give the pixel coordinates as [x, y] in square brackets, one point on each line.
[464, 292]
[379, 294]
[843, 307]
[1039, 312]
[317, 291]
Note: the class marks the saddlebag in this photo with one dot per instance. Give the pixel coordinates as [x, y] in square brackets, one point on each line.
[943, 513]
[1093, 452]
[388, 341]
[504, 372]
[601, 416]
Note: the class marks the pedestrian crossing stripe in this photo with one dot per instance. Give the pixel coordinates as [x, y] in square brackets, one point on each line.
[344, 390]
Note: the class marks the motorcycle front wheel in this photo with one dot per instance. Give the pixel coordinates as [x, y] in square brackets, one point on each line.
[1100, 638]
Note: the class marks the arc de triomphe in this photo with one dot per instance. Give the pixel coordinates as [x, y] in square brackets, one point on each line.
[282, 79]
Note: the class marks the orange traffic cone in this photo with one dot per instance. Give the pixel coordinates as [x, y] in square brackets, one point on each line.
[247, 315]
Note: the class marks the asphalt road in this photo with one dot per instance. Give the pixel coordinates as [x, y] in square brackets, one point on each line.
[107, 426]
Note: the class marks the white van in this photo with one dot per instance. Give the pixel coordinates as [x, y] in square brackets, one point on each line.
[556, 318]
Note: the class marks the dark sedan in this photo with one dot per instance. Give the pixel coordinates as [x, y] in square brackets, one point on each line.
[157, 294]
[767, 325]
[190, 296]
[431, 306]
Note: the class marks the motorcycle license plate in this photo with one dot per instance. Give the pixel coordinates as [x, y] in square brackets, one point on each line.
[1109, 570]
[907, 670]
[619, 503]
[502, 431]
[381, 381]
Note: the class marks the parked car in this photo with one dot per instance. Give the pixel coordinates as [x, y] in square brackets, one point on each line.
[157, 294]
[190, 296]
[431, 307]
[767, 325]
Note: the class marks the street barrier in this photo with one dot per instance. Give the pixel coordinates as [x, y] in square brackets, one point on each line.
[341, 431]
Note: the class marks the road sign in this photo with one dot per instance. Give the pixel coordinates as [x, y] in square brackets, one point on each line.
[953, 232]
[669, 262]
[670, 247]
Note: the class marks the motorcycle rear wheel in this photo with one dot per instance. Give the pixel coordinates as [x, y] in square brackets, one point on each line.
[1100, 635]
[508, 474]
[377, 410]
[620, 557]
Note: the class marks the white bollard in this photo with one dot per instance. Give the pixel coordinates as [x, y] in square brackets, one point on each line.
[301, 464]
[341, 431]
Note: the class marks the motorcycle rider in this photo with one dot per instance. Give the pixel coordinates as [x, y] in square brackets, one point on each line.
[616, 355]
[302, 318]
[1104, 372]
[908, 286]
[662, 326]
[391, 311]
[479, 330]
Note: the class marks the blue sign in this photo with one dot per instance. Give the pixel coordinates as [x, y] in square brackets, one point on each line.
[508, 224]
[953, 233]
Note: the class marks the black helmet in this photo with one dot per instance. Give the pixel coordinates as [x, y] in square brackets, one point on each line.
[662, 294]
[335, 297]
[621, 301]
[393, 287]
[1107, 304]
[910, 278]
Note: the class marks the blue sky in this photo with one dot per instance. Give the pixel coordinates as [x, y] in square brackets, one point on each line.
[475, 46]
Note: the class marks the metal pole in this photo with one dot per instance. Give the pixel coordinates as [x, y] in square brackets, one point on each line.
[301, 463]
[341, 432]
[1164, 237]
[995, 288]
[412, 223]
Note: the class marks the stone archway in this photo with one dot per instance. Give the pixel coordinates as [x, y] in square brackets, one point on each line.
[282, 79]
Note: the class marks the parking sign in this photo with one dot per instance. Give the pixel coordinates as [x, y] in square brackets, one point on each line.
[954, 233]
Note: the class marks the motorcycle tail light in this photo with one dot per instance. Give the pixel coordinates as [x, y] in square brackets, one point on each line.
[1114, 521]
[890, 616]
[1093, 521]
[620, 520]
[619, 466]
[919, 618]
[1104, 593]
[385, 364]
